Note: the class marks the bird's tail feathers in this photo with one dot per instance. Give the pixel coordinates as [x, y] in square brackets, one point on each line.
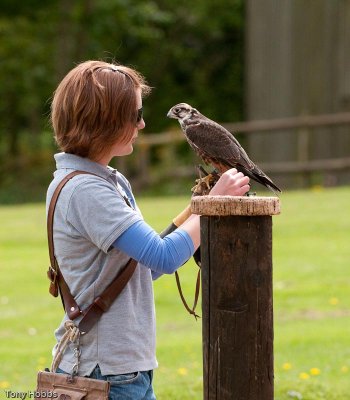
[257, 175]
[274, 189]
[265, 180]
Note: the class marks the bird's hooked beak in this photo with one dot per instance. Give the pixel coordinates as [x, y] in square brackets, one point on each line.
[171, 113]
[180, 111]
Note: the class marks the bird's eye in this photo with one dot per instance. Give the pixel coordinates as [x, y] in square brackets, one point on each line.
[177, 109]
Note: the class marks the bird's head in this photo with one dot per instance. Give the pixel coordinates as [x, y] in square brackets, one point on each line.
[181, 111]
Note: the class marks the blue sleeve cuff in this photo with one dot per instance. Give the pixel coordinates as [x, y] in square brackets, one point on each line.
[162, 256]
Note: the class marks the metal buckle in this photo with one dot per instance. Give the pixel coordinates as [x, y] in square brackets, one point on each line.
[52, 274]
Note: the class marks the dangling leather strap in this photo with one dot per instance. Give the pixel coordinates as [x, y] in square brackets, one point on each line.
[177, 221]
[58, 285]
[192, 310]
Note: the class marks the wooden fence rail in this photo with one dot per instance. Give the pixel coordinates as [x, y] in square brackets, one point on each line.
[169, 165]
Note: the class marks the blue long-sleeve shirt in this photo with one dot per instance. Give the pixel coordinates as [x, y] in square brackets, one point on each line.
[162, 256]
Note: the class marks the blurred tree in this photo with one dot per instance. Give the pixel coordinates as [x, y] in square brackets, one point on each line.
[202, 58]
[188, 51]
[25, 73]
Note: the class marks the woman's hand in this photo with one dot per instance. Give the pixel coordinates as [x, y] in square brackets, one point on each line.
[231, 183]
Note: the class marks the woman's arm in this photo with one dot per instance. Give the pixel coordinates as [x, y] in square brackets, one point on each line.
[165, 255]
[162, 255]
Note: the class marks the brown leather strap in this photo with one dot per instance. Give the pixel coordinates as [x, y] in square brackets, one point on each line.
[192, 310]
[59, 285]
[102, 303]
[53, 271]
[174, 225]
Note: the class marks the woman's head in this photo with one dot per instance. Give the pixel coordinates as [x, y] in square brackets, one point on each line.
[96, 106]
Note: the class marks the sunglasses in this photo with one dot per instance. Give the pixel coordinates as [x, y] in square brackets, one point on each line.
[139, 115]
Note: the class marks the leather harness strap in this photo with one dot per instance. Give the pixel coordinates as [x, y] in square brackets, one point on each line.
[101, 304]
[174, 225]
[58, 285]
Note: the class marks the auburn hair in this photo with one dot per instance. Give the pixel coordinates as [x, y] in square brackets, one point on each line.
[95, 106]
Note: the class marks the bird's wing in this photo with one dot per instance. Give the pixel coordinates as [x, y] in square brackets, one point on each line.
[216, 145]
[212, 141]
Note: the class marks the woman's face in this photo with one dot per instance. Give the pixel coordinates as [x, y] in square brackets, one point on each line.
[123, 149]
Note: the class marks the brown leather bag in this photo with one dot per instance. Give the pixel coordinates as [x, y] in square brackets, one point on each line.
[71, 386]
[64, 387]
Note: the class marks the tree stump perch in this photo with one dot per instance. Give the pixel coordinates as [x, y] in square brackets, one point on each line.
[236, 254]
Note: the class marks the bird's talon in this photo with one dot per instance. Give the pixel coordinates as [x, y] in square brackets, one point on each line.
[204, 185]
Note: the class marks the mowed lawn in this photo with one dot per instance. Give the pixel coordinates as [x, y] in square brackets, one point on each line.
[311, 300]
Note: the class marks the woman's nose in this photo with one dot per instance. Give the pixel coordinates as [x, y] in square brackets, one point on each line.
[141, 124]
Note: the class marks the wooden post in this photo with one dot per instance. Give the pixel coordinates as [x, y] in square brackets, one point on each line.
[236, 252]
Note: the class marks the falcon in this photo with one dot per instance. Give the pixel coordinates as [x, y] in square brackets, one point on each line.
[215, 145]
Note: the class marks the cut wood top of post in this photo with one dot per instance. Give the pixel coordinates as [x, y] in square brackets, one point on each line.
[235, 205]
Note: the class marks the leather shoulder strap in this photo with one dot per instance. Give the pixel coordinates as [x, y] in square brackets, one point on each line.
[58, 284]
[102, 303]
[53, 269]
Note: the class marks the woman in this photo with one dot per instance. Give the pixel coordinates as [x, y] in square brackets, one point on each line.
[97, 115]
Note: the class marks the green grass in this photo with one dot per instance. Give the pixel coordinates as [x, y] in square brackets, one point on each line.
[311, 301]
